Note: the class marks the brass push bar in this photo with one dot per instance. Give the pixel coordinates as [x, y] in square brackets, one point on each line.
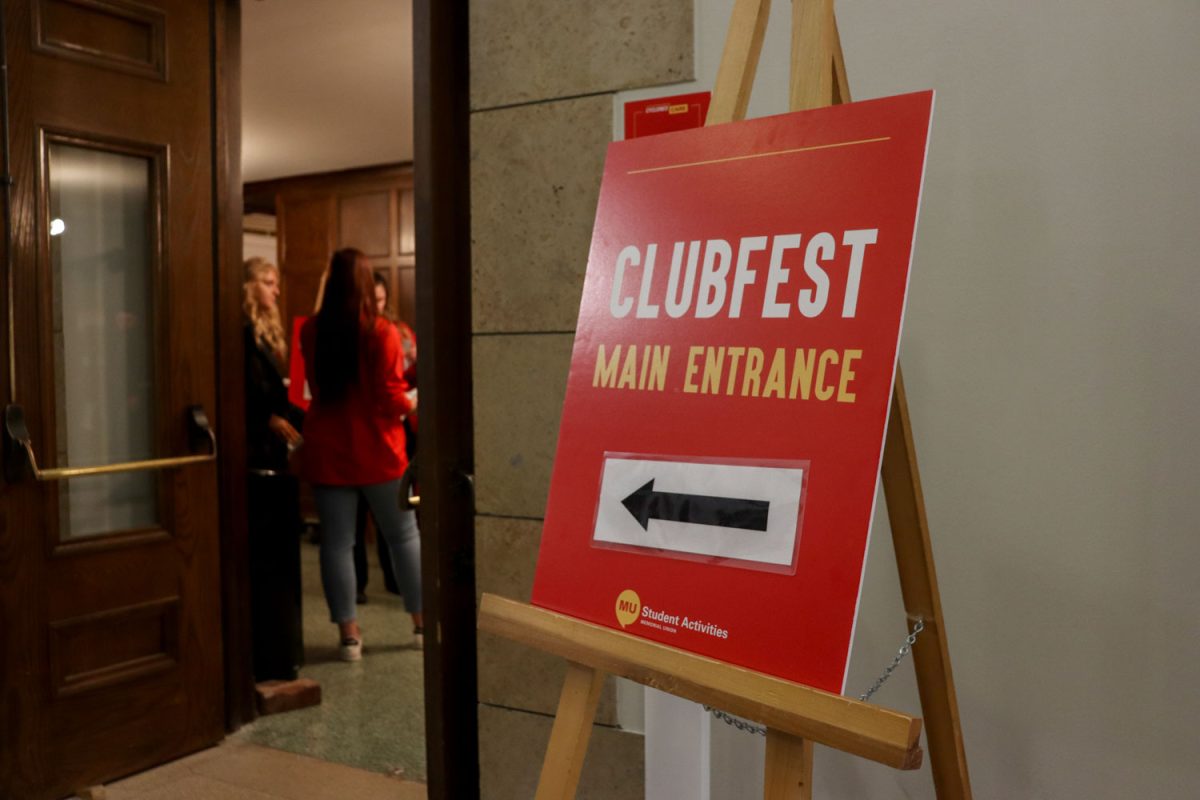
[19, 450]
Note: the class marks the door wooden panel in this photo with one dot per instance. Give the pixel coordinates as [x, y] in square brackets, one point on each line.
[304, 252]
[110, 647]
[370, 209]
[96, 650]
[407, 225]
[363, 223]
[404, 294]
[117, 35]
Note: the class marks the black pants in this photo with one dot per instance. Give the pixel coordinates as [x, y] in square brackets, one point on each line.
[273, 503]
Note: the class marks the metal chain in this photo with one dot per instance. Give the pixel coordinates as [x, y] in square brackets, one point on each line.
[737, 722]
[905, 649]
[909, 641]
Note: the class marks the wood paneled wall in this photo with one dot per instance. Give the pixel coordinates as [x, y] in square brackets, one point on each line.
[371, 209]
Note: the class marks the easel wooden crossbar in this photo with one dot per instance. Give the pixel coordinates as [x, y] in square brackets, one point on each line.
[860, 728]
[795, 715]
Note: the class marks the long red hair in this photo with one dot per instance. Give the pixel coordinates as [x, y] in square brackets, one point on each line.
[347, 312]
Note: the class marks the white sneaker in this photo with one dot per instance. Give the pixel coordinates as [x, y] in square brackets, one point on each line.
[418, 638]
[351, 649]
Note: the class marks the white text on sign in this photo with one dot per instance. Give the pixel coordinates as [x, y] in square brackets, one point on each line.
[715, 284]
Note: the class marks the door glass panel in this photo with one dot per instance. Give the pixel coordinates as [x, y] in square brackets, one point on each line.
[101, 243]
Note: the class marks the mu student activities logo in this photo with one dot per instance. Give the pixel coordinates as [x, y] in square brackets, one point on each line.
[629, 609]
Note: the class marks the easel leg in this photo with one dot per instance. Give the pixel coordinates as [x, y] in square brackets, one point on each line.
[739, 61]
[569, 736]
[918, 585]
[789, 767]
[813, 29]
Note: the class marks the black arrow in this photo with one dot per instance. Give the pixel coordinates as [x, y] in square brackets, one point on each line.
[646, 504]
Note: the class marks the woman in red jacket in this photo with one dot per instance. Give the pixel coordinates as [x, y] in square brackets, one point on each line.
[354, 439]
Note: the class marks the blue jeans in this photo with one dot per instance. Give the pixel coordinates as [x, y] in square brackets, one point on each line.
[337, 506]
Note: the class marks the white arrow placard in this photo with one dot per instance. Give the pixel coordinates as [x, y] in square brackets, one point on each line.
[702, 508]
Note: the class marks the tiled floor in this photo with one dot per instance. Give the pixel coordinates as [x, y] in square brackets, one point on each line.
[372, 714]
[239, 770]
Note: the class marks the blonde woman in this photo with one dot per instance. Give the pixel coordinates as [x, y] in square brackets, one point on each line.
[270, 419]
[272, 495]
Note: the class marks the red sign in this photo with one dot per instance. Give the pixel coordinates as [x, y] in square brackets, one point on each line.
[729, 388]
[665, 114]
[298, 390]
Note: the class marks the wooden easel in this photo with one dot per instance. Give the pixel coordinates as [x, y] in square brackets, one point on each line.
[795, 715]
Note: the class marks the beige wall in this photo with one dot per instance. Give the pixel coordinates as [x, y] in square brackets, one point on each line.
[542, 77]
[1052, 360]
[1051, 357]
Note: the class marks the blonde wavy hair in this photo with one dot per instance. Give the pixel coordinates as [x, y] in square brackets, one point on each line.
[266, 322]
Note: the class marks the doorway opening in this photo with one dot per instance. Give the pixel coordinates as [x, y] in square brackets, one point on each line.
[328, 152]
[371, 714]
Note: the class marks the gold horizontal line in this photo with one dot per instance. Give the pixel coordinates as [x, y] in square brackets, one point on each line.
[760, 155]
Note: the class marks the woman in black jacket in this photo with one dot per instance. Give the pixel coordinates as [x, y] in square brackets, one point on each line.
[272, 494]
[271, 421]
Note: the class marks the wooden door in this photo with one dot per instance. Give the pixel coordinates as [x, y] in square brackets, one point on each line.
[110, 633]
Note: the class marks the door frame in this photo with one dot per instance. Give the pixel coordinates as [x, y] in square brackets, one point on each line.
[446, 446]
[229, 347]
